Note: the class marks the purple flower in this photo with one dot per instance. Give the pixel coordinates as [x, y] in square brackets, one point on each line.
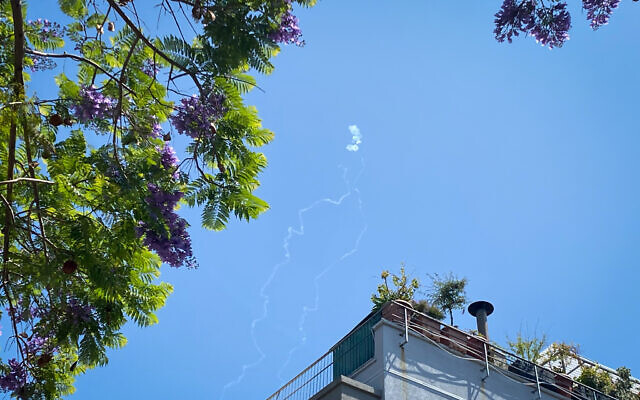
[46, 29]
[79, 312]
[169, 159]
[16, 378]
[156, 130]
[92, 104]
[549, 25]
[552, 25]
[25, 312]
[514, 18]
[197, 115]
[150, 68]
[35, 344]
[41, 63]
[599, 11]
[172, 243]
[288, 31]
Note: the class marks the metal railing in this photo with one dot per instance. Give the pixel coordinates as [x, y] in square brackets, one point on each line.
[308, 382]
[352, 351]
[475, 347]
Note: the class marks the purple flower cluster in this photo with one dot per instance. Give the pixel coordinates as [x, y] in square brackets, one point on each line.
[150, 68]
[24, 312]
[41, 63]
[79, 312]
[549, 25]
[599, 11]
[169, 159]
[16, 378]
[513, 18]
[93, 104]
[552, 25]
[288, 32]
[173, 245]
[196, 115]
[35, 344]
[156, 130]
[46, 29]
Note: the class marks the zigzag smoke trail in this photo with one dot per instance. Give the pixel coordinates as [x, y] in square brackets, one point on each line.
[316, 305]
[291, 231]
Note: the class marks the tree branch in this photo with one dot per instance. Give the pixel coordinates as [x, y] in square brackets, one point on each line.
[153, 47]
[81, 59]
[18, 88]
[16, 180]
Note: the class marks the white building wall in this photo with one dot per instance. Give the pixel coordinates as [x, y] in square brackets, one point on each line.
[422, 370]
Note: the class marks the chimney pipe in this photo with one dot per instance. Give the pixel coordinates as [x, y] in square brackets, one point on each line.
[480, 310]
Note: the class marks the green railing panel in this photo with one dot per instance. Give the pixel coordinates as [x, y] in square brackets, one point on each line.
[355, 349]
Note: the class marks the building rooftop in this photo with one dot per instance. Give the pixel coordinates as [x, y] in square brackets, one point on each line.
[398, 352]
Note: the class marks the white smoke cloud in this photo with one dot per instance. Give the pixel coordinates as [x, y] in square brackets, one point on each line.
[356, 138]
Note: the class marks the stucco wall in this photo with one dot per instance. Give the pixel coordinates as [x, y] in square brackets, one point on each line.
[422, 370]
[344, 388]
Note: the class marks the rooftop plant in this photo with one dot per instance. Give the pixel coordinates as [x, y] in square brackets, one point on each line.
[403, 288]
[448, 293]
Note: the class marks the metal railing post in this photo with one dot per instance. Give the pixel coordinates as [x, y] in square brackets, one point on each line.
[406, 329]
[486, 360]
[535, 368]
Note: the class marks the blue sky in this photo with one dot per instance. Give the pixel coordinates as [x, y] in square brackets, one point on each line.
[514, 166]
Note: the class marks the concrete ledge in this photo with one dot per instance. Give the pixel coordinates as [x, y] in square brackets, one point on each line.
[345, 388]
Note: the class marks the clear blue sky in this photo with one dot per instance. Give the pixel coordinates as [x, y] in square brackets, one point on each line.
[512, 165]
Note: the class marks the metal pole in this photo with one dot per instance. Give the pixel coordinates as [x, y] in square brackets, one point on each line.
[486, 361]
[535, 368]
[406, 329]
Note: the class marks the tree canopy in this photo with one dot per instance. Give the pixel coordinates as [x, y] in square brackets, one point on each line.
[90, 180]
[549, 22]
[528, 347]
[448, 293]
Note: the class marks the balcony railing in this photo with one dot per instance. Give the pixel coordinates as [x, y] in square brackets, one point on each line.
[349, 354]
[357, 347]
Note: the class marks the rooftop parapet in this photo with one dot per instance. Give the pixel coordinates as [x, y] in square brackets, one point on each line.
[356, 349]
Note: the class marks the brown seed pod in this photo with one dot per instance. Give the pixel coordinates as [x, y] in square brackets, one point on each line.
[166, 137]
[46, 153]
[67, 121]
[73, 366]
[196, 13]
[55, 120]
[24, 335]
[210, 16]
[111, 26]
[69, 267]
[44, 359]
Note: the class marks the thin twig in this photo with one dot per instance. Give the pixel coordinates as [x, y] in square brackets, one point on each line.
[153, 47]
[82, 59]
[174, 19]
[34, 185]
[16, 180]
[118, 112]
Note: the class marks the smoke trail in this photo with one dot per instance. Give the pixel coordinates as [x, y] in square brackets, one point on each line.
[299, 231]
[316, 305]
[356, 138]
